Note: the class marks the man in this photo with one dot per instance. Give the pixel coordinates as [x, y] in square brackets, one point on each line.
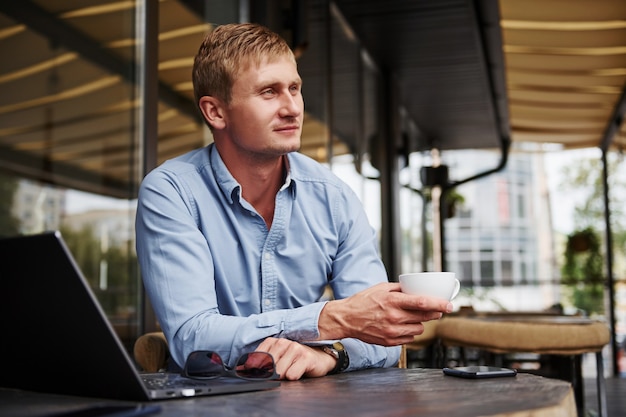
[237, 241]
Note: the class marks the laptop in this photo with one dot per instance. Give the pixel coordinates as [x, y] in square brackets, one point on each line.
[57, 339]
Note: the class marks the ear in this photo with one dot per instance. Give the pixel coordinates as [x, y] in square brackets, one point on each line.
[213, 111]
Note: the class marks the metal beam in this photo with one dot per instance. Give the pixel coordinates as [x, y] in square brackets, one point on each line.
[70, 175]
[615, 122]
[51, 27]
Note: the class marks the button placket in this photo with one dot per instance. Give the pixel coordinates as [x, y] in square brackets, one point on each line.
[268, 256]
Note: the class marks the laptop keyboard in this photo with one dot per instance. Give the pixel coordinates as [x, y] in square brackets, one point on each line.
[169, 380]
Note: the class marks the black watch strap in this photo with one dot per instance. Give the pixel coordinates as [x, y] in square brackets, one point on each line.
[338, 352]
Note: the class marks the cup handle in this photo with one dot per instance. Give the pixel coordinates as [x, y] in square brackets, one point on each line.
[457, 288]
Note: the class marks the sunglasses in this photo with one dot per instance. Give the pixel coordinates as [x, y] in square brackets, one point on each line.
[206, 364]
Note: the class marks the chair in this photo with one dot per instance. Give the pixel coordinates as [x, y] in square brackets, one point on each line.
[548, 335]
[426, 340]
[152, 352]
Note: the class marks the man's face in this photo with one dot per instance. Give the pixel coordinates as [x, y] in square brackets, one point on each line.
[266, 111]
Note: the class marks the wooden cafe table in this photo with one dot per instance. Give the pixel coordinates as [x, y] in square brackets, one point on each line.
[374, 392]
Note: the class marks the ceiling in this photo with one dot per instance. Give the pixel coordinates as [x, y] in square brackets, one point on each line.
[473, 73]
[566, 71]
[446, 59]
[469, 74]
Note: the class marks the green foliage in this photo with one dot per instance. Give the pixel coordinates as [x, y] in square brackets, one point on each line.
[583, 260]
[583, 270]
[119, 262]
[586, 175]
[85, 248]
[452, 198]
[589, 297]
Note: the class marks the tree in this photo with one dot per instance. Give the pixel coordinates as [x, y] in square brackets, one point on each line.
[584, 270]
[586, 174]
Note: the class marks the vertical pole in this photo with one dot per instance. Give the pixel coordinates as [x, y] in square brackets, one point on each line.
[609, 262]
[330, 119]
[147, 33]
[424, 230]
[436, 196]
[601, 385]
[387, 147]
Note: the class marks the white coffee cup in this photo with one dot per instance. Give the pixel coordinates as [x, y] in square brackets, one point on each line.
[436, 284]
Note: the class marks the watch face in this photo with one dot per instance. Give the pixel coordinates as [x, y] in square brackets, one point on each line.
[338, 346]
[340, 354]
[331, 351]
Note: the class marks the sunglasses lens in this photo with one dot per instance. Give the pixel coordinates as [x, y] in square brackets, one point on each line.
[256, 365]
[204, 364]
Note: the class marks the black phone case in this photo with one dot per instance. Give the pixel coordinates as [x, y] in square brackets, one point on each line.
[477, 372]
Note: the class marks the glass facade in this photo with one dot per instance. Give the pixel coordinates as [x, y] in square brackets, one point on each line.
[68, 141]
[73, 118]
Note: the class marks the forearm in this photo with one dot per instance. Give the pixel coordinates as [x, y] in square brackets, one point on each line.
[381, 315]
[232, 336]
[335, 323]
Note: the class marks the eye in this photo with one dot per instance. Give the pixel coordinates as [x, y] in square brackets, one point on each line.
[295, 88]
[268, 92]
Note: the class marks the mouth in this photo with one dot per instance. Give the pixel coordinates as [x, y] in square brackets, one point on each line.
[287, 128]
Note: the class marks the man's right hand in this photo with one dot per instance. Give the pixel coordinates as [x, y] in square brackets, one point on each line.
[381, 315]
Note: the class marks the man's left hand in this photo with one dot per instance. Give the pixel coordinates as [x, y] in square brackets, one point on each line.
[294, 360]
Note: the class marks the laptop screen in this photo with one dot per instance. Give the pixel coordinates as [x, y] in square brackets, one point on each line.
[56, 337]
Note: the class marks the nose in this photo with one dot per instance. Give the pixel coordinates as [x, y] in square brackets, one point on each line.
[292, 105]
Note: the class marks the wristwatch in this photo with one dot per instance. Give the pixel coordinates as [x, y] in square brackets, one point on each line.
[337, 351]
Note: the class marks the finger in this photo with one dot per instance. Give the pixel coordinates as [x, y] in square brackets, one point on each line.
[266, 344]
[432, 315]
[291, 368]
[424, 303]
[418, 316]
[297, 360]
[274, 346]
[286, 357]
[259, 360]
[291, 364]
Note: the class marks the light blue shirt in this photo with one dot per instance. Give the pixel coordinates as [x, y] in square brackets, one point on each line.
[220, 280]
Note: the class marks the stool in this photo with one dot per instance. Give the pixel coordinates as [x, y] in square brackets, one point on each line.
[553, 335]
[152, 352]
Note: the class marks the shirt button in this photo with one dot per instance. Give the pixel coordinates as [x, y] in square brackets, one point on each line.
[267, 302]
[268, 256]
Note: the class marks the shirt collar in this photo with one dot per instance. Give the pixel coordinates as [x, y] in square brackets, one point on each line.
[229, 185]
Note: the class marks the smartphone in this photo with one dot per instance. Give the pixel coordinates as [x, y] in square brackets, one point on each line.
[479, 371]
[113, 411]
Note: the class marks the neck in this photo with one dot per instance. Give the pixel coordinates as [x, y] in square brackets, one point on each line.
[260, 180]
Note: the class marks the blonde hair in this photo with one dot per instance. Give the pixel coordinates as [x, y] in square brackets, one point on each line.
[229, 49]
